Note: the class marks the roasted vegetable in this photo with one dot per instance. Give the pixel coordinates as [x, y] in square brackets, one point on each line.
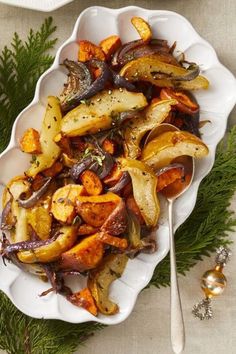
[50, 128]
[53, 170]
[97, 114]
[84, 299]
[63, 202]
[35, 197]
[116, 223]
[85, 255]
[109, 146]
[133, 208]
[121, 184]
[144, 189]
[114, 176]
[158, 73]
[184, 103]
[160, 151]
[168, 177]
[30, 142]
[101, 278]
[95, 210]
[88, 50]
[85, 230]
[91, 182]
[64, 143]
[155, 114]
[51, 251]
[17, 186]
[143, 28]
[112, 240]
[41, 220]
[109, 45]
[79, 79]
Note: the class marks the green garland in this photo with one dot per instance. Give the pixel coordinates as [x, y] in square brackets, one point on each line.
[205, 229]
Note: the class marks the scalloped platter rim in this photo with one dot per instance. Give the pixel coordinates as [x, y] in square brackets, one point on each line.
[216, 103]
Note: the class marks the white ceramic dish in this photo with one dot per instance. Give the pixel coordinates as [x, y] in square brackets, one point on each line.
[216, 104]
[40, 5]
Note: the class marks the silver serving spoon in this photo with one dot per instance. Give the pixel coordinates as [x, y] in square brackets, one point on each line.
[177, 321]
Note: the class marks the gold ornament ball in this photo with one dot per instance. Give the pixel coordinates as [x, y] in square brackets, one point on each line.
[213, 282]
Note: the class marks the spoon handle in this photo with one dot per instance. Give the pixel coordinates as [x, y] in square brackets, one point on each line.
[177, 322]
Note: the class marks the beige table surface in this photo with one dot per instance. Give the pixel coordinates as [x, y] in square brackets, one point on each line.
[146, 331]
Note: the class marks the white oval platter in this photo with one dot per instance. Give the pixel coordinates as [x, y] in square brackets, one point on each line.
[216, 104]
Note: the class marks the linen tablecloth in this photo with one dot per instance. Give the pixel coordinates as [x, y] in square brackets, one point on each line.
[146, 331]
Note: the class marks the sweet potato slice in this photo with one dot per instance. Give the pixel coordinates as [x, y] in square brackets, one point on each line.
[113, 240]
[109, 146]
[88, 50]
[85, 255]
[116, 222]
[63, 202]
[64, 143]
[91, 182]
[53, 170]
[168, 177]
[30, 142]
[84, 299]
[85, 230]
[110, 45]
[95, 210]
[143, 28]
[113, 177]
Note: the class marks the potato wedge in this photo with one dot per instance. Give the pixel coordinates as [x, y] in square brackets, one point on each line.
[151, 69]
[52, 251]
[83, 298]
[110, 45]
[50, 128]
[91, 182]
[95, 210]
[85, 255]
[160, 151]
[143, 28]
[155, 114]
[144, 184]
[101, 278]
[30, 142]
[63, 202]
[97, 114]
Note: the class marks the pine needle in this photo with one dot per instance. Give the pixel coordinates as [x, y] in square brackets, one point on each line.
[20, 67]
[205, 229]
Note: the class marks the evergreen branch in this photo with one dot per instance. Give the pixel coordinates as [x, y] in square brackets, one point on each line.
[204, 230]
[20, 67]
